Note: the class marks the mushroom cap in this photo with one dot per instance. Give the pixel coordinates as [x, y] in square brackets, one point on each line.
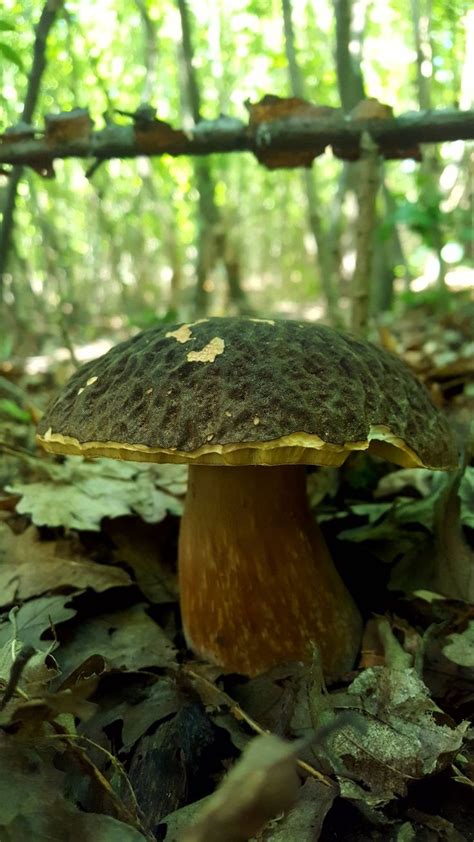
[247, 391]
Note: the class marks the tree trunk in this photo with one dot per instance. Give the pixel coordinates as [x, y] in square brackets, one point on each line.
[163, 204]
[150, 51]
[207, 210]
[429, 172]
[388, 253]
[324, 257]
[211, 232]
[368, 172]
[377, 289]
[349, 75]
[45, 23]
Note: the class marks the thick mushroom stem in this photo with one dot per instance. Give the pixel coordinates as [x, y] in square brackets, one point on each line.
[258, 585]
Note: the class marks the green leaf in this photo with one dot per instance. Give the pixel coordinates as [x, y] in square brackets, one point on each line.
[10, 408]
[466, 495]
[11, 55]
[5, 26]
[6, 347]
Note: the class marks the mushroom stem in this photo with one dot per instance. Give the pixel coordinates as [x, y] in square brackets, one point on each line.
[258, 585]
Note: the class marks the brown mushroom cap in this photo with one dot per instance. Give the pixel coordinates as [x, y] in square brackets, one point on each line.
[235, 391]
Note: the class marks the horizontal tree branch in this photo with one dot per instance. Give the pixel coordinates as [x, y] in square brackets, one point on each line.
[287, 141]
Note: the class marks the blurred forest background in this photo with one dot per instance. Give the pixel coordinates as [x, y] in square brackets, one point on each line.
[146, 239]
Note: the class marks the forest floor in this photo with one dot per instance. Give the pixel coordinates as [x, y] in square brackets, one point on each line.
[111, 731]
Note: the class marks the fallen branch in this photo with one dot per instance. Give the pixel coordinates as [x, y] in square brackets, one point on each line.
[279, 141]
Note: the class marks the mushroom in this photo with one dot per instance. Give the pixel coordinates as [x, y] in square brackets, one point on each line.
[247, 403]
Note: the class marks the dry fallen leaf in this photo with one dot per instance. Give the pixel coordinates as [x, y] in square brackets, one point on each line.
[128, 640]
[263, 784]
[305, 820]
[34, 803]
[459, 648]
[139, 546]
[35, 617]
[31, 567]
[397, 734]
[137, 713]
[407, 736]
[78, 494]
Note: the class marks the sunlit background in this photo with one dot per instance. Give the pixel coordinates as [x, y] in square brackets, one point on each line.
[119, 249]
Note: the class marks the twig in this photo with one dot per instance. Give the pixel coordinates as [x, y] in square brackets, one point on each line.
[16, 670]
[19, 452]
[241, 715]
[123, 813]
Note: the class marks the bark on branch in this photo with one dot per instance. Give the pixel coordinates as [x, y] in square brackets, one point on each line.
[395, 137]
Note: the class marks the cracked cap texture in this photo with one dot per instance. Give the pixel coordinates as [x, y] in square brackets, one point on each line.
[247, 391]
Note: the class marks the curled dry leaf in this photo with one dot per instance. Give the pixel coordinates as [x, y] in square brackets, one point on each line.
[263, 784]
[67, 127]
[271, 108]
[305, 820]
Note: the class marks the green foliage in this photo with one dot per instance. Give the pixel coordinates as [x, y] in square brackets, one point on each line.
[417, 218]
[8, 52]
[433, 300]
[11, 55]
[13, 411]
[6, 347]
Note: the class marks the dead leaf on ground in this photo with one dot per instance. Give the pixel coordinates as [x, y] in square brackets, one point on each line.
[31, 567]
[33, 802]
[138, 545]
[459, 648]
[305, 820]
[443, 828]
[33, 618]
[78, 494]
[262, 784]
[407, 735]
[26, 678]
[166, 767]
[137, 711]
[128, 640]
[403, 735]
